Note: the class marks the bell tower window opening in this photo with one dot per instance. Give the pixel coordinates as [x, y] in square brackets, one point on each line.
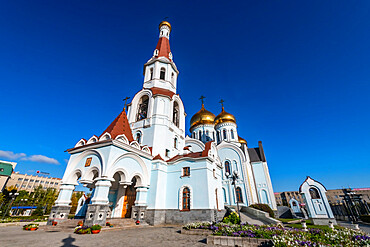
[151, 74]
[175, 117]
[232, 134]
[186, 199]
[162, 74]
[143, 108]
[173, 77]
[175, 143]
[138, 137]
[225, 136]
[239, 196]
[200, 135]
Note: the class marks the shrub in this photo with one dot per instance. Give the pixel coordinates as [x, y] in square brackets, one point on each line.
[96, 227]
[263, 207]
[365, 218]
[232, 218]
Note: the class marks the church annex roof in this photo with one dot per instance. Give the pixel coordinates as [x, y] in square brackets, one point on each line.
[257, 154]
[203, 153]
[120, 126]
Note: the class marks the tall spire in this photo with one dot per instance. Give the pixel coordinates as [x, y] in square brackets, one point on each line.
[163, 45]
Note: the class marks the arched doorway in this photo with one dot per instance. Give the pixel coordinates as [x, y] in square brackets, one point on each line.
[129, 199]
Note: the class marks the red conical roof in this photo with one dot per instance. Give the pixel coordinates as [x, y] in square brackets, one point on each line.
[120, 126]
[163, 47]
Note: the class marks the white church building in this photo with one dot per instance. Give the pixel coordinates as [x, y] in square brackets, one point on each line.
[144, 167]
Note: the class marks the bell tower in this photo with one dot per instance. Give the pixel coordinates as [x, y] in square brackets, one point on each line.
[156, 113]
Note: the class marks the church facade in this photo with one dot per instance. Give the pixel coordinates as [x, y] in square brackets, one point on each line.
[143, 166]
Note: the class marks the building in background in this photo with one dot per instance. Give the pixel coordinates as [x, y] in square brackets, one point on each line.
[30, 182]
[283, 198]
[334, 196]
[6, 170]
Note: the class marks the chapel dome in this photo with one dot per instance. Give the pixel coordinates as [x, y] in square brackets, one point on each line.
[241, 140]
[202, 117]
[224, 117]
[165, 23]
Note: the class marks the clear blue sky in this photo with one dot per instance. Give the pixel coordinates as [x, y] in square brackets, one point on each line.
[294, 73]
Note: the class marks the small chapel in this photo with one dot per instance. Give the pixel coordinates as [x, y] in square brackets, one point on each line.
[145, 167]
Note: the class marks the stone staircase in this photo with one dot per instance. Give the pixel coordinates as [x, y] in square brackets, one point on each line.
[248, 218]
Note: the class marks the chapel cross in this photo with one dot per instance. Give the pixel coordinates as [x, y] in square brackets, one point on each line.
[222, 103]
[202, 99]
[125, 100]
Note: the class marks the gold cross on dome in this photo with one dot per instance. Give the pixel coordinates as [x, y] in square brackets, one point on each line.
[202, 99]
[125, 100]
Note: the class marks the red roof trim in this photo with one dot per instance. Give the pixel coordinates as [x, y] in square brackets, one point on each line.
[158, 157]
[161, 91]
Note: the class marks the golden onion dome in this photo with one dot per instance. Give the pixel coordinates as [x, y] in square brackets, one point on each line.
[165, 23]
[242, 140]
[202, 117]
[224, 117]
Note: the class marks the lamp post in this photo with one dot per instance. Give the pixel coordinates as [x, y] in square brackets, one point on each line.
[234, 177]
[13, 196]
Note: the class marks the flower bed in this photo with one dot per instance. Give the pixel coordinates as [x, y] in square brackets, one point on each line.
[31, 227]
[88, 230]
[284, 237]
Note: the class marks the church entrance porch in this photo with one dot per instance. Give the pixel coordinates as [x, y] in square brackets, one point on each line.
[121, 196]
[129, 200]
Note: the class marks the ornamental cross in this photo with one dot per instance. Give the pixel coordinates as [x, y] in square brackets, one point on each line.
[202, 99]
[222, 102]
[125, 100]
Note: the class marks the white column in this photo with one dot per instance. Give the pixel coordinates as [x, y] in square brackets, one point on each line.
[141, 196]
[101, 192]
[65, 194]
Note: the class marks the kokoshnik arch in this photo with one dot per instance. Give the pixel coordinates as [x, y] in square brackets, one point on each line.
[144, 167]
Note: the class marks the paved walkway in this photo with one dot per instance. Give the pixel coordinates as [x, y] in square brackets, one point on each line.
[363, 227]
[146, 236]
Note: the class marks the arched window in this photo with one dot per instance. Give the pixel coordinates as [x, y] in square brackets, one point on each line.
[175, 142]
[218, 136]
[162, 75]
[239, 196]
[186, 199]
[200, 135]
[151, 73]
[314, 193]
[225, 136]
[213, 133]
[232, 134]
[227, 167]
[225, 198]
[175, 115]
[143, 108]
[207, 135]
[138, 137]
[173, 77]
